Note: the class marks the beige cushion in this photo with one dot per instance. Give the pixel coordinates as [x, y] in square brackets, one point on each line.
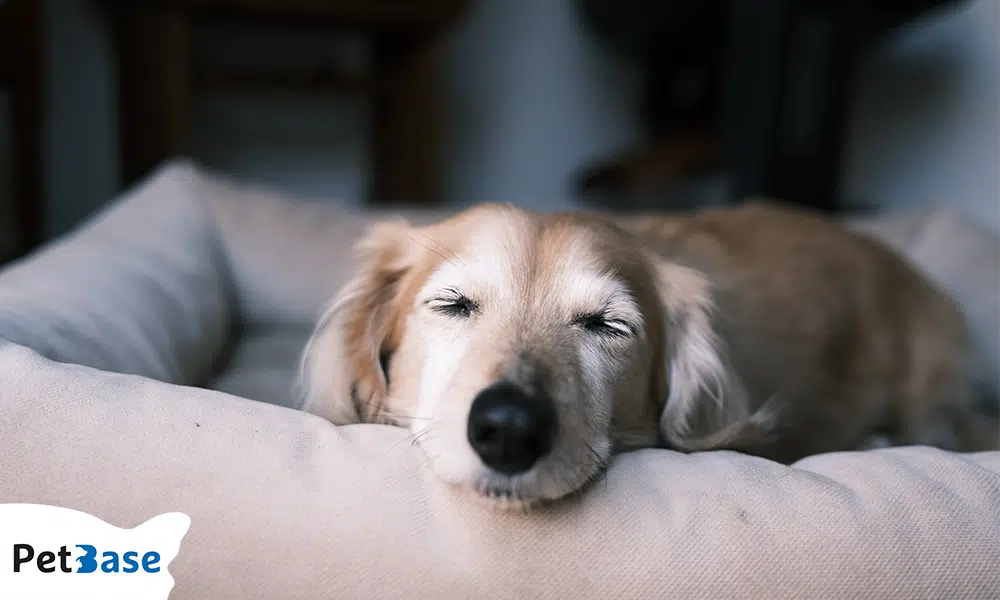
[285, 505]
[263, 364]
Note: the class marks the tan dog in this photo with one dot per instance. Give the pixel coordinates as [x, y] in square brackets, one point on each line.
[524, 349]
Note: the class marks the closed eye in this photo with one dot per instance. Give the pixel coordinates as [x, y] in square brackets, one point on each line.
[603, 325]
[453, 305]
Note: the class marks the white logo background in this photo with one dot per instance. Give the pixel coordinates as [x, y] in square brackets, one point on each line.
[47, 528]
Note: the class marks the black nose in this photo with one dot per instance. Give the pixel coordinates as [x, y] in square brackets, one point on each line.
[510, 429]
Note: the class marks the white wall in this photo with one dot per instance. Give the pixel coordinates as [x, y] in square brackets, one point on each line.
[926, 123]
[531, 98]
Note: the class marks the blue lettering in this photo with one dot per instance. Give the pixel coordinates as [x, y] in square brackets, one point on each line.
[130, 565]
[110, 564]
[148, 560]
[111, 561]
[87, 562]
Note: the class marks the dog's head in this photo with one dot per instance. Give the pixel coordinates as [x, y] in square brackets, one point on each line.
[521, 349]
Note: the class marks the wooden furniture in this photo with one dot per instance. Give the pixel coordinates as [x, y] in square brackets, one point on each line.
[22, 76]
[157, 78]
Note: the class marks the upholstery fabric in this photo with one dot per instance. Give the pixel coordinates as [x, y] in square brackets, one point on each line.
[140, 288]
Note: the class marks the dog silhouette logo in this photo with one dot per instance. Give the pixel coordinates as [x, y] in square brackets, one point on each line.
[54, 553]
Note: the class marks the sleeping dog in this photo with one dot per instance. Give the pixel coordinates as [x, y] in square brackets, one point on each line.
[522, 350]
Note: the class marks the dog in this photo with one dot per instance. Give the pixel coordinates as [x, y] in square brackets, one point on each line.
[524, 349]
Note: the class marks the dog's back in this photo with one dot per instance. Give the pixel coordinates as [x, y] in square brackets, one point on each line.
[842, 334]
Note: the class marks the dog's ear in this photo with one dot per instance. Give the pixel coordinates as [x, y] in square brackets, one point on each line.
[707, 406]
[343, 372]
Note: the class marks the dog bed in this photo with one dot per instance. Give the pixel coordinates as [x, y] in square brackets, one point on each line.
[146, 366]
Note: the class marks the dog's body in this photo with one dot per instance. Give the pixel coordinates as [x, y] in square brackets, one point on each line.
[523, 349]
[847, 339]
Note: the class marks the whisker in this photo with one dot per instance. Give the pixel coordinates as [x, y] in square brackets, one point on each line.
[451, 262]
[410, 417]
[419, 437]
[443, 245]
[384, 413]
[415, 438]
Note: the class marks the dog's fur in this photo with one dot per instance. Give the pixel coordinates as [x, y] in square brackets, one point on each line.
[760, 329]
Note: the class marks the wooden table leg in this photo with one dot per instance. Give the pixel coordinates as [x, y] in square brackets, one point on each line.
[406, 120]
[154, 82]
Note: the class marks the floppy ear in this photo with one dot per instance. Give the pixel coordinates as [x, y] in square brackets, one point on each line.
[342, 372]
[707, 406]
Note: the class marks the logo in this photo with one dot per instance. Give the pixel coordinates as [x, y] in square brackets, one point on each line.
[53, 553]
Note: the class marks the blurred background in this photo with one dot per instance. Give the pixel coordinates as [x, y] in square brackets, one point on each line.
[629, 104]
